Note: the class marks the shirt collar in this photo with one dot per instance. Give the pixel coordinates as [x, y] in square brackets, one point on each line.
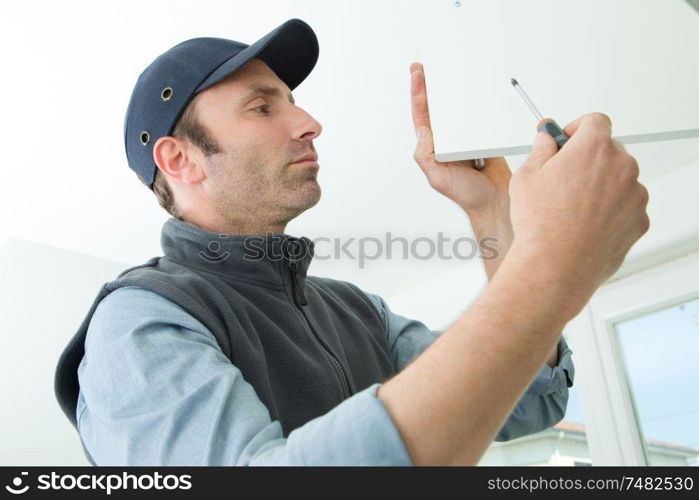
[259, 258]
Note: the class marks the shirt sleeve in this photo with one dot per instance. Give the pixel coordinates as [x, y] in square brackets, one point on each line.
[156, 390]
[542, 405]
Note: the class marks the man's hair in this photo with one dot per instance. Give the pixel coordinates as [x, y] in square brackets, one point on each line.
[188, 127]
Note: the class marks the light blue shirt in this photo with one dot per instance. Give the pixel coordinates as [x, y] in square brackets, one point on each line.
[156, 390]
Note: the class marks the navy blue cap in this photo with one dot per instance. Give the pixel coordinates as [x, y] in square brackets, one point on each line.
[171, 81]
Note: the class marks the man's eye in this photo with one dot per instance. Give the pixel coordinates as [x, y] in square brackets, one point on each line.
[266, 106]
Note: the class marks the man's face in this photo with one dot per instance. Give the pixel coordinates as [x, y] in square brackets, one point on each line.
[260, 136]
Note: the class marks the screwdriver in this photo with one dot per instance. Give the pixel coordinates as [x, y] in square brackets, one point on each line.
[547, 125]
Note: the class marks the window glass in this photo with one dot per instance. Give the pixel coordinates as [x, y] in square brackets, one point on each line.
[660, 352]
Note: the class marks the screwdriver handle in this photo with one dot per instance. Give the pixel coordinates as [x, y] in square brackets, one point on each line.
[552, 128]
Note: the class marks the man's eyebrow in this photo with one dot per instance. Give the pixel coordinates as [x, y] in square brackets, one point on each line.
[260, 88]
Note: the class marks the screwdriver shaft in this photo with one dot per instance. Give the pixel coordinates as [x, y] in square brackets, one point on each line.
[528, 101]
[547, 125]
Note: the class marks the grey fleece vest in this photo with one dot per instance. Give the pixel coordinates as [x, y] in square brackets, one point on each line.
[304, 343]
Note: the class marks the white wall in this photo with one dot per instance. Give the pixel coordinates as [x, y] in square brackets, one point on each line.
[46, 294]
[66, 180]
[68, 183]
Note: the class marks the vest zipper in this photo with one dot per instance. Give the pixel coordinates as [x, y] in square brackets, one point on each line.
[301, 299]
[296, 288]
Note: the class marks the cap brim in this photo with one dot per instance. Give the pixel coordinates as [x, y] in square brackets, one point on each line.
[290, 50]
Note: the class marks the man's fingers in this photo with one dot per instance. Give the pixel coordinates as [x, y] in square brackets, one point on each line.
[592, 125]
[543, 148]
[598, 121]
[418, 97]
[424, 149]
[619, 145]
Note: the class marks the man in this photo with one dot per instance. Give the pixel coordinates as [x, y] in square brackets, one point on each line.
[225, 352]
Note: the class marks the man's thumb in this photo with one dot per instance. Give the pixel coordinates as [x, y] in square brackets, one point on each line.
[543, 148]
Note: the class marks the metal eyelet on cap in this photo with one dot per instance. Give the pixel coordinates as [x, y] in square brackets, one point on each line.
[166, 94]
[145, 137]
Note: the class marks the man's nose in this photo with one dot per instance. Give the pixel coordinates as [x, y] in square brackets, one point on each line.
[311, 127]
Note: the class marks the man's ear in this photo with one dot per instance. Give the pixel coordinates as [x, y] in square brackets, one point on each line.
[177, 158]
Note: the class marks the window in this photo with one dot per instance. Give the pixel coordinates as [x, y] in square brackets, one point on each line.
[659, 351]
[635, 347]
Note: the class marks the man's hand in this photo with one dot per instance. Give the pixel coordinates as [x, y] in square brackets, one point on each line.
[575, 213]
[473, 191]
[483, 195]
[580, 209]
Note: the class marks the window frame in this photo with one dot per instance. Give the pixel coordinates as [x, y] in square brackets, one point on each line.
[613, 431]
